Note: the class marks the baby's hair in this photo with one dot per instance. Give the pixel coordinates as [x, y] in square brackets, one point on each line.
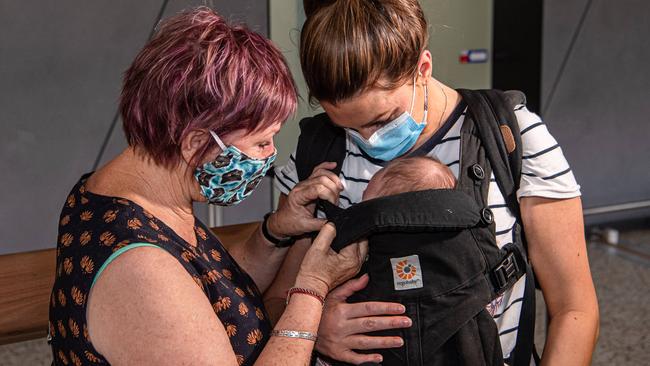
[410, 174]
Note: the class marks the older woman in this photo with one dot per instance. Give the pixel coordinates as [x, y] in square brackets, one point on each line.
[140, 280]
[367, 64]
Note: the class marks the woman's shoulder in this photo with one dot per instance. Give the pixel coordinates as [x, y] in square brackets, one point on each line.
[545, 170]
[165, 291]
[147, 267]
[94, 229]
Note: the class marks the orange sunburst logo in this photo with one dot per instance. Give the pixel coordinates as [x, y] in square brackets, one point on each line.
[406, 270]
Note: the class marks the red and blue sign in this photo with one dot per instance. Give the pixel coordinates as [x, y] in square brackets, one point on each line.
[479, 56]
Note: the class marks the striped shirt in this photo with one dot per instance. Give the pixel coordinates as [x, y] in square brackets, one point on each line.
[545, 173]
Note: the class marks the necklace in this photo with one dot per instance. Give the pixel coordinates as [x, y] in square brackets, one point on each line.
[444, 110]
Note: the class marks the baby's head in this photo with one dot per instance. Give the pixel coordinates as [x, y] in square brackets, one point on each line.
[409, 174]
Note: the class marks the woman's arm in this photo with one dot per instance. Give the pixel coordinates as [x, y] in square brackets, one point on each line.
[555, 233]
[275, 296]
[259, 257]
[145, 309]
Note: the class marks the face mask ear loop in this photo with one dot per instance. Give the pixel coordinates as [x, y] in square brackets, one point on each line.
[413, 97]
[218, 140]
[426, 103]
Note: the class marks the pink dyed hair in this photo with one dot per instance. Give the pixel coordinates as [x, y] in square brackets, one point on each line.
[200, 73]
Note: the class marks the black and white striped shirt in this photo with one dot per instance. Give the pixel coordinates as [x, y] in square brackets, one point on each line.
[545, 173]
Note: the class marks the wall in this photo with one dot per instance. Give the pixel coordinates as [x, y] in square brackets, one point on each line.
[455, 26]
[599, 112]
[60, 70]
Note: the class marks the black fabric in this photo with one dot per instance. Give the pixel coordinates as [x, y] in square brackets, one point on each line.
[490, 109]
[463, 268]
[422, 211]
[319, 141]
[450, 323]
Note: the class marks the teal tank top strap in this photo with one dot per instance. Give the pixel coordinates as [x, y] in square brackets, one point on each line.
[116, 254]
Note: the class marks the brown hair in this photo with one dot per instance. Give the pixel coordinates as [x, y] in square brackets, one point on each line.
[347, 46]
[412, 174]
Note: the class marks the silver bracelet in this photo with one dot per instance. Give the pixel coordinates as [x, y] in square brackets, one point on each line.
[294, 334]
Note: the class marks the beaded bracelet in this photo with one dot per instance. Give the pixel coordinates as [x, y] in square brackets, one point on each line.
[306, 291]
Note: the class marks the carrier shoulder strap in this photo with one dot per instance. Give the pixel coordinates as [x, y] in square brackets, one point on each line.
[502, 140]
[320, 141]
[493, 114]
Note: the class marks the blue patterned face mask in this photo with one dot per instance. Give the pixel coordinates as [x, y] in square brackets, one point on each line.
[396, 137]
[232, 176]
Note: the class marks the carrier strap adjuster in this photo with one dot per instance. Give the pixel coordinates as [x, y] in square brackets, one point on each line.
[505, 272]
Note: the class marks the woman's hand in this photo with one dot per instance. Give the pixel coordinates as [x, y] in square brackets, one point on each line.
[323, 269]
[295, 216]
[342, 325]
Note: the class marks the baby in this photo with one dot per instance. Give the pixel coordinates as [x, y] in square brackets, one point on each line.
[409, 174]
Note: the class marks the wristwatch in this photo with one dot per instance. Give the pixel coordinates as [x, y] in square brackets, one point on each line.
[279, 243]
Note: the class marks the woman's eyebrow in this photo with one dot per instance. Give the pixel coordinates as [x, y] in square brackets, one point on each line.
[382, 117]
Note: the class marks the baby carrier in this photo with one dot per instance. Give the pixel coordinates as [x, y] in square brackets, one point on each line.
[435, 251]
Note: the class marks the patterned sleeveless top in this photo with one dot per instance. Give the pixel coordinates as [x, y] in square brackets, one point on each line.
[93, 227]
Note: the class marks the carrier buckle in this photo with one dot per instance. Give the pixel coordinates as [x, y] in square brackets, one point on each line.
[506, 271]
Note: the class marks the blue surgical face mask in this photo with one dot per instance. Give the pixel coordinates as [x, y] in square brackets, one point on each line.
[232, 176]
[396, 137]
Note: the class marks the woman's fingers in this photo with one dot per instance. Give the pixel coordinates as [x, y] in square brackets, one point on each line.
[329, 184]
[318, 172]
[346, 290]
[372, 308]
[375, 323]
[325, 170]
[310, 191]
[325, 193]
[313, 224]
[366, 342]
[329, 165]
[324, 238]
[363, 250]
[355, 358]
[327, 181]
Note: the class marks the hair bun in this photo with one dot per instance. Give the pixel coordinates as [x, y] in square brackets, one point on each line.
[311, 6]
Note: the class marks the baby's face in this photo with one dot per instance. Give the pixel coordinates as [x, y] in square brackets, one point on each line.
[374, 186]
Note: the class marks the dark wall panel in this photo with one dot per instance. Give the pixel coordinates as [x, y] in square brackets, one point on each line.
[517, 45]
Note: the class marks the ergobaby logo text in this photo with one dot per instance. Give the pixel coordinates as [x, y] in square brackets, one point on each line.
[407, 272]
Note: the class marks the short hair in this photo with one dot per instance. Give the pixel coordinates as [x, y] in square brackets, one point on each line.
[413, 174]
[200, 73]
[347, 46]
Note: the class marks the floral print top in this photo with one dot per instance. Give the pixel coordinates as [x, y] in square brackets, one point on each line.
[92, 227]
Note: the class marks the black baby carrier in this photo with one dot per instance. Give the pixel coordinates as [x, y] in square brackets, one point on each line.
[435, 251]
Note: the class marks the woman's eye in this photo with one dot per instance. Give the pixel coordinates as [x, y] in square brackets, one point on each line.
[377, 125]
